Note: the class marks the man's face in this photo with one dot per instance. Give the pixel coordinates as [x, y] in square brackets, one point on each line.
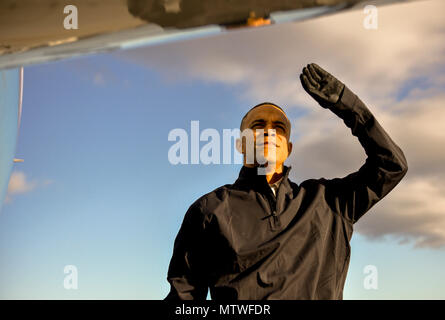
[260, 120]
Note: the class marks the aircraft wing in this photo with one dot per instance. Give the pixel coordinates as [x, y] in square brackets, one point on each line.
[34, 31]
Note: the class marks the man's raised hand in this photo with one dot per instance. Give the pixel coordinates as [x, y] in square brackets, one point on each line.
[321, 85]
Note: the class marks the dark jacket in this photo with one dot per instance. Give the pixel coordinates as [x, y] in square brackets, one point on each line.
[243, 243]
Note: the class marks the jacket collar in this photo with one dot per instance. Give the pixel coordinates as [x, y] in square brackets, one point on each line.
[249, 176]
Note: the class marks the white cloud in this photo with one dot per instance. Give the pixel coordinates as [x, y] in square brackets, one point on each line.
[413, 212]
[19, 184]
[397, 70]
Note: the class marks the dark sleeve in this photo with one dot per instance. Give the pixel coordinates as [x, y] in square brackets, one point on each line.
[186, 272]
[352, 196]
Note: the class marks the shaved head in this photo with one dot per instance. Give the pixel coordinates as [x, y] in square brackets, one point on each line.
[244, 121]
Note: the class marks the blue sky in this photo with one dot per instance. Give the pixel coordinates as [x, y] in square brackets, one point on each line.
[97, 191]
[112, 195]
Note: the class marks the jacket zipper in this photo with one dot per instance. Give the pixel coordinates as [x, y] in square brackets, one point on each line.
[273, 214]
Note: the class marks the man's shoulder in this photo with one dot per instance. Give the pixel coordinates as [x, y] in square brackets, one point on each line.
[311, 187]
[218, 194]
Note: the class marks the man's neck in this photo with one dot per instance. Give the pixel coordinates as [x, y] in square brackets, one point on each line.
[273, 176]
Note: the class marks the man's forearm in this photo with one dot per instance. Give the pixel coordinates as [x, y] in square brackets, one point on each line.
[186, 270]
[374, 139]
[385, 166]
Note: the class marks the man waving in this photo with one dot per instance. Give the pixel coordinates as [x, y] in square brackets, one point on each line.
[266, 237]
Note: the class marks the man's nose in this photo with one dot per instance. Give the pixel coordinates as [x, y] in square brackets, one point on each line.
[272, 131]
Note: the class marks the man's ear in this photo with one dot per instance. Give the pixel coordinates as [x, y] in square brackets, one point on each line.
[289, 149]
[239, 146]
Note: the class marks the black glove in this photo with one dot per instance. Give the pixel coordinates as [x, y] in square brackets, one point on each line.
[321, 85]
